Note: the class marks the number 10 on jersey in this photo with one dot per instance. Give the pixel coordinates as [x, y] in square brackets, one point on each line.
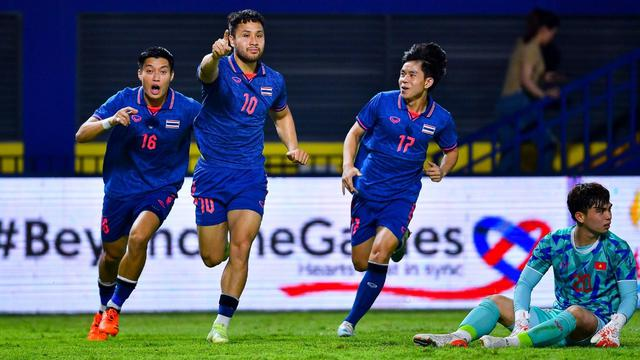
[250, 103]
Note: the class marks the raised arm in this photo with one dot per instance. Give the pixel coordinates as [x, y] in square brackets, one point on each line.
[209, 64]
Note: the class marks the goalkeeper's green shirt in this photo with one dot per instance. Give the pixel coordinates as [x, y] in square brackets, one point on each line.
[585, 276]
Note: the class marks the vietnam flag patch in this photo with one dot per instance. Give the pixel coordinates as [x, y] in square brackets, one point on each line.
[599, 265]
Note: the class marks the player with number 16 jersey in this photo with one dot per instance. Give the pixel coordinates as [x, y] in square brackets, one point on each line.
[144, 166]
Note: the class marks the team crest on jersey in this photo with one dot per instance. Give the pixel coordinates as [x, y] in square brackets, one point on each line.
[428, 129]
[394, 119]
[236, 79]
[266, 90]
[136, 118]
[172, 124]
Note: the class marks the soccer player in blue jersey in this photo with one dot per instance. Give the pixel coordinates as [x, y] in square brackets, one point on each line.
[144, 167]
[391, 135]
[229, 186]
[595, 287]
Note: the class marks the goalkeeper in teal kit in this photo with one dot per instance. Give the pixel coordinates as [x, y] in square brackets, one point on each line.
[595, 287]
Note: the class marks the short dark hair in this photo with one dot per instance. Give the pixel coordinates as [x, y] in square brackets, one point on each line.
[155, 52]
[433, 57]
[538, 18]
[243, 17]
[585, 196]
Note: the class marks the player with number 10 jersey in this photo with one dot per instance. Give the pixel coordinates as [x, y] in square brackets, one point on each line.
[239, 93]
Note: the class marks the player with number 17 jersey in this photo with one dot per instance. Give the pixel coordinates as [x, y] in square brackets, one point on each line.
[395, 143]
[383, 159]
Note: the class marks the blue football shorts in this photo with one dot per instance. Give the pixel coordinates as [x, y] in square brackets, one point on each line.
[217, 190]
[368, 215]
[118, 215]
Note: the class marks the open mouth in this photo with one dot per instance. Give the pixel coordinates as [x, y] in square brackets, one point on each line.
[155, 89]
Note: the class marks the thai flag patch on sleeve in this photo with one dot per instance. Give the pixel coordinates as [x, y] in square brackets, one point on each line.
[172, 124]
[266, 90]
[428, 129]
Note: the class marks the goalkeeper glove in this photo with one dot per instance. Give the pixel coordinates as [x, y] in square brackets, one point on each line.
[522, 322]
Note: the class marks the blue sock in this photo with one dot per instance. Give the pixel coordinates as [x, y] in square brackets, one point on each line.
[369, 289]
[227, 305]
[124, 288]
[106, 292]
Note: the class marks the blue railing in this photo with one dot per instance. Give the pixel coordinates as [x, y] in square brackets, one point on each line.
[595, 119]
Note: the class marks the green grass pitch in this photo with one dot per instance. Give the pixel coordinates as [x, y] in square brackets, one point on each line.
[274, 335]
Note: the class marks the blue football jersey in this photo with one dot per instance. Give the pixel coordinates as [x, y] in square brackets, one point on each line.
[230, 127]
[394, 146]
[152, 153]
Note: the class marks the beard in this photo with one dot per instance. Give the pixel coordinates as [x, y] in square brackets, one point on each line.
[246, 57]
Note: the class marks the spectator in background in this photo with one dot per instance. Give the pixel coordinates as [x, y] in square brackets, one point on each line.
[524, 83]
[552, 58]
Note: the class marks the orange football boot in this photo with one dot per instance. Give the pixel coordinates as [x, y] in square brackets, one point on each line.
[94, 332]
[109, 322]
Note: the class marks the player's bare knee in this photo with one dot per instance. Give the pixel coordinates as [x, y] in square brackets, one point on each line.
[240, 249]
[111, 257]
[379, 256]
[498, 299]
[580, 314]
[359, 265]
[576, 310]
[211, 260]
[137, 242]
